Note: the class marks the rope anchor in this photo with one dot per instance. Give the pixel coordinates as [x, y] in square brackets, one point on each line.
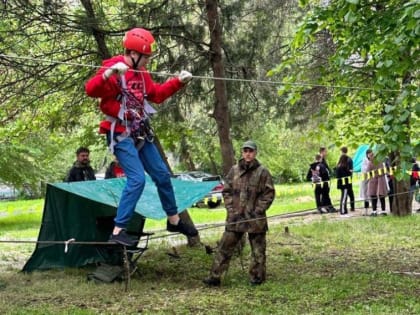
[66, 244]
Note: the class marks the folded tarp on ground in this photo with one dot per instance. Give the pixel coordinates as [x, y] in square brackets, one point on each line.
[84, 211]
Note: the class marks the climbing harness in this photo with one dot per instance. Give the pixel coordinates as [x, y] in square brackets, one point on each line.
[137, 124]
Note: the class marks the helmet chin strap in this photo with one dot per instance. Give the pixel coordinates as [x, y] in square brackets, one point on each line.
[134, 62]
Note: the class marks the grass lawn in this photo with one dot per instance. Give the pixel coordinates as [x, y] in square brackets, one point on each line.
[325, 265]
[289, 198]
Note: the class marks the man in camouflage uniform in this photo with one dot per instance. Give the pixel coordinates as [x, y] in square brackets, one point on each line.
[248, 193]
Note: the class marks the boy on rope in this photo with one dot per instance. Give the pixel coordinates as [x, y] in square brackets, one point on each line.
[124, 87]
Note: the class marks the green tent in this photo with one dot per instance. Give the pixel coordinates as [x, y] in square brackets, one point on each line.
[85, 210]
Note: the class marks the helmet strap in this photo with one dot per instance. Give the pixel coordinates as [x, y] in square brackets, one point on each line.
[135, 63]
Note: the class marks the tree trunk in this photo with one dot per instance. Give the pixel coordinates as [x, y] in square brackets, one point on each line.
[184, 215]
[185, 155]
[195, 240]
[221, 108]
[96, 30]
[402, 203]
[403, 199]
[104, 52]
[162, 153]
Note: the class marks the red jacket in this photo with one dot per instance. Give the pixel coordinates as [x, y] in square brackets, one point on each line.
[109, 90]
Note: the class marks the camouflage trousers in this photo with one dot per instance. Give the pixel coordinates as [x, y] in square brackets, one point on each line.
[230, 241]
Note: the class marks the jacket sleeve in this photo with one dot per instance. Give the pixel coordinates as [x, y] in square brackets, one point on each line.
[159, 92]
[365, 165]
[228, 190]
[351, 164]
[69, 177]
[72, 175]
[97, 87]
[323, 172]
[309, 174]
[266, 196]
[91, 173]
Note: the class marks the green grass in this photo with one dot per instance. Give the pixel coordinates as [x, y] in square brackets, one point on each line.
[21, 215]
[322, 266]
[289, 198]
[20, 219]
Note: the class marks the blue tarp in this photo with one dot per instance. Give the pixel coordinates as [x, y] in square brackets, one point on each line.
[109, 191]
[359, 157]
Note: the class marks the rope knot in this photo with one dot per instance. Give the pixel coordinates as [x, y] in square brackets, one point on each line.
[66, 244]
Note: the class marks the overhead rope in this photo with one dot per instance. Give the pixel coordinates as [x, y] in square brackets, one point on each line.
[167, 74]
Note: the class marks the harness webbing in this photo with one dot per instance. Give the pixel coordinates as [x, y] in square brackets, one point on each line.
[148, 111]
[121, 112]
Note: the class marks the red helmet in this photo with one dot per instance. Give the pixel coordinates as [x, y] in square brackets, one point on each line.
[140, 40]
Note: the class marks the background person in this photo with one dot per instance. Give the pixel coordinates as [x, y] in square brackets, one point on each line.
[326, 200]
[363, 192]
[377, 186]
[316, 172]
[390, 182]
[124, 87]
[248, 193]
[114, 170]
[349, 183]
[343, 182]
[414, 179]
[81, 169]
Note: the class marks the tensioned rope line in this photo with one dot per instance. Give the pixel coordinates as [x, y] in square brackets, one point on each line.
[203, 227]
[289, 214]
[166, 74]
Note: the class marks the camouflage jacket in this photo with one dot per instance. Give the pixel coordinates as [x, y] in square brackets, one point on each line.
[248, 192]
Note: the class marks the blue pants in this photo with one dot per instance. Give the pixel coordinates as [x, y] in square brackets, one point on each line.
[135, 164]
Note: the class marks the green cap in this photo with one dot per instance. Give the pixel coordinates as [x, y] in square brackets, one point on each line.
[250, 144]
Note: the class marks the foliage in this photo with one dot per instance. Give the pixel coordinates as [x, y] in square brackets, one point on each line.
[371, 72]
[49, 49]
[52, 49]
[248, 51]
[42, 108]
[286, 152]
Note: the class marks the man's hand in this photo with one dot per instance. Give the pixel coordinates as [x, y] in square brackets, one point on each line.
[185, 76]
[119, 68]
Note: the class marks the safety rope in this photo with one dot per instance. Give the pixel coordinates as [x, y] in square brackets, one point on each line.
[127, 266]
[201, 227]
[166, 74]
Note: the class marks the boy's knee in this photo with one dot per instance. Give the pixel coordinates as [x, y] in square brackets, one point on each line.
[137, 183]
